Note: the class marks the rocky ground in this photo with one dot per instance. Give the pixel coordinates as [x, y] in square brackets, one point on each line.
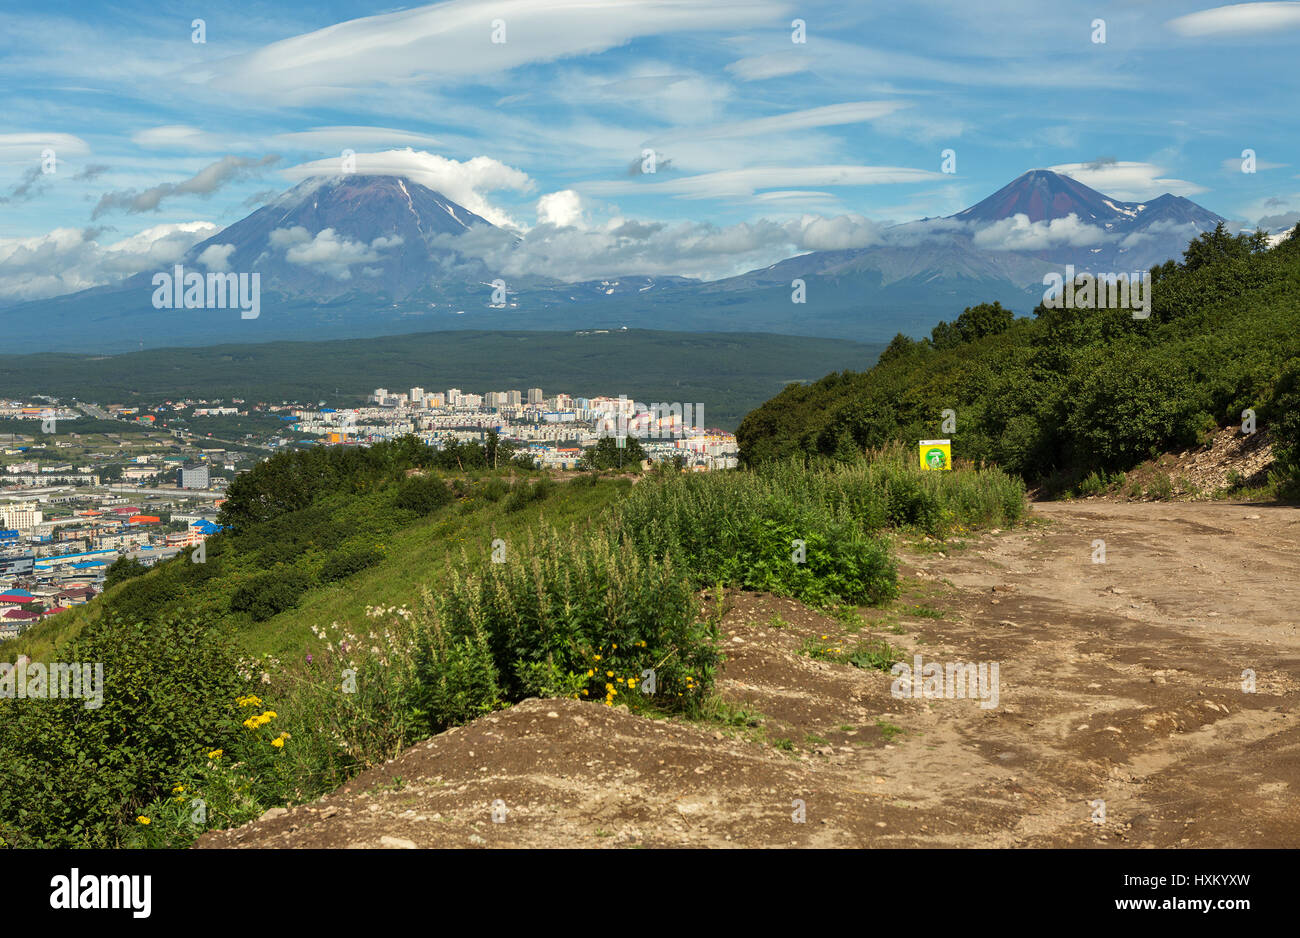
[1120, 682]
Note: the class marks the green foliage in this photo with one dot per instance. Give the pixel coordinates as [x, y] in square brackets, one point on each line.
[270, 593]
[742, 529]
[73, 776]
[1282, 415]
[342, 565]
[974, 323]
[584, 612]
[423, 494]
[607, 454]
[1071, 391]
[123, 569]
[525, 493]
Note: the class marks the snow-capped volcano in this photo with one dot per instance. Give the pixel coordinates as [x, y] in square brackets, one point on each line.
[1042, 195]
[331, 235]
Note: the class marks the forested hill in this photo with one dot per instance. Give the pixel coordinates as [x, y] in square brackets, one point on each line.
[1073, 391]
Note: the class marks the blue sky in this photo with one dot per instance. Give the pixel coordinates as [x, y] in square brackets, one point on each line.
[764, 146]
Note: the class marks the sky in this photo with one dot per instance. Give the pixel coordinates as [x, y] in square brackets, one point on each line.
[772, 128]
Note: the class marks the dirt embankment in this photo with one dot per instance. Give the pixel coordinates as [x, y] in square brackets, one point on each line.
[1119, 682]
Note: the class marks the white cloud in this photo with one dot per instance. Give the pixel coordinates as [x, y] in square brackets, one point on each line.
[463, 182]
[619, 246]
[454, 40]
[1018, 233]
[328, 252]
[353, 138]
[562, 209]
[66, 260]
[840, 233]
[216, 257]
[770, 65]
[1238, 19]
[852, 112]
[1129, 181]
[22, 148]
[178, 137]
[745, 182]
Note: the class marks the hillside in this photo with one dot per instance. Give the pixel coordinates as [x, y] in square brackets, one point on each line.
[361, 600]
[1074, 393]
[1121, 687]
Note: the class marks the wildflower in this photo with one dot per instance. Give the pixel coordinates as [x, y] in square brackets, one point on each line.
[178, 788]
[585, 692]
[591, 672]
[278, 743]
[309, 657]
[216, 754]
[609, 674]
[615, 648]
[142, 819]
[595, 657]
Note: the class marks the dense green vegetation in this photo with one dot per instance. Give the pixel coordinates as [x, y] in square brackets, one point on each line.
[729, 373]
[363, 599]
[1072, 392]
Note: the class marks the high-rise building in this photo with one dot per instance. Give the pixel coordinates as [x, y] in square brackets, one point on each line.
[417, 395]
[380, 394]
[20, 516]
[514, 398]
[194, 477]
[535, 396]
[453, 397]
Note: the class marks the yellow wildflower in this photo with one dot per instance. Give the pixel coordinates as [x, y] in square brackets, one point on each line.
[142, 819]
[278, 743]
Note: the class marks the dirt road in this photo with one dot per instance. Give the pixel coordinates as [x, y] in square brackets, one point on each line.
[1124, 683]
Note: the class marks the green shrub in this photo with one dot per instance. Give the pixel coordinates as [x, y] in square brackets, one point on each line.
[268, 594]
[423, 494]
[524, 493]
[1282, 418]
[72, 776]
[122, 569]
[340, 566]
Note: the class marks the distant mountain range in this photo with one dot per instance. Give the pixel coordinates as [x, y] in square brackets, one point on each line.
[353, 256]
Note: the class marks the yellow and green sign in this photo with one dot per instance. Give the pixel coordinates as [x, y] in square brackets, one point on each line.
[936, 454]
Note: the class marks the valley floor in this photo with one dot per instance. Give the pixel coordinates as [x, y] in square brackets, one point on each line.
[1121, 682]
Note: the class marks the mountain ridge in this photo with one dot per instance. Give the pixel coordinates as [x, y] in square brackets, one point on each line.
[358, 255]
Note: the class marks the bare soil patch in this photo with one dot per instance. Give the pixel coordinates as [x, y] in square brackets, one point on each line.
[1120, 682]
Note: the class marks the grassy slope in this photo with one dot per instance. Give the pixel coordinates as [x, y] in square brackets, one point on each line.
[416, 558]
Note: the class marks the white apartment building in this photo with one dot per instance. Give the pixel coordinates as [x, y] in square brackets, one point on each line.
[20, 516]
